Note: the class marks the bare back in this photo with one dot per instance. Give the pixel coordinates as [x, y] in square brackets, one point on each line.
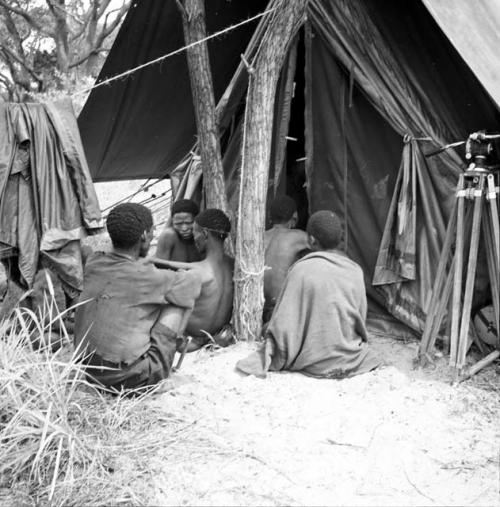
[213, 308]
[283, 247]
[174, 248]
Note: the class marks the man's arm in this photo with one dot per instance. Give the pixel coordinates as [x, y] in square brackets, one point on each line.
[182, 288]
[166, 243]
[175, 265]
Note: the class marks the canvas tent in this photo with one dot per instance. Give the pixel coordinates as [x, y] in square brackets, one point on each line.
[367, 88]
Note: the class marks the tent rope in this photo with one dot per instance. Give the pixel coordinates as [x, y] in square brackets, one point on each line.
[142, 188]
[173, 53]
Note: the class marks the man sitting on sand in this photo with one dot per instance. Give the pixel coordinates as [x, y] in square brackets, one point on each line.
[176, 241]
[213, 308]
[283, 246]
[318, 325]
[131, 312]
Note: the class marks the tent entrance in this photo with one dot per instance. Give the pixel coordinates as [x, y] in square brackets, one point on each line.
[288, 176]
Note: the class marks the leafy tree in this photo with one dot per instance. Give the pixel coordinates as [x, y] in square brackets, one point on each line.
[43, 43]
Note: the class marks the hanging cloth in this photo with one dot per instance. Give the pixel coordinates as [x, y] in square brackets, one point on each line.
[47, 198]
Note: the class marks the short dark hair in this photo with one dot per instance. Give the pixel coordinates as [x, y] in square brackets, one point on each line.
[282, 209]
[185, 206]
[325, 226]
[215, 221]
[126, 223]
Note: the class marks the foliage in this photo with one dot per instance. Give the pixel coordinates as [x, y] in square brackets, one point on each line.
[43, 43]
[59, 435]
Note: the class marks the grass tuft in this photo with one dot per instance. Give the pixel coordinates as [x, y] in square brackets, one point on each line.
[59, 435]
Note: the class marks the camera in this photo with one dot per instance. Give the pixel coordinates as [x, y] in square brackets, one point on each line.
[479, 150]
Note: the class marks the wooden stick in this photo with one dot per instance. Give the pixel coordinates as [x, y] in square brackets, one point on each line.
[491, 196]
[183, 354]
[481, 364]
[471, 272]
[428, 339]
[457, 281]
[492, 269]
[494, 238]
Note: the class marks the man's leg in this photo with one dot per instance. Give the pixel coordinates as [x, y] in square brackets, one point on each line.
[153, 366]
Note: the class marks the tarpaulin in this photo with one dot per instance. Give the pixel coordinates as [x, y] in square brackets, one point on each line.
[143, 126]
[376, 72]
[47, 198]
[355, 139]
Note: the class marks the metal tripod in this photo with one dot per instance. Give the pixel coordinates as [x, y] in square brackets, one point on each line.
[476, 189]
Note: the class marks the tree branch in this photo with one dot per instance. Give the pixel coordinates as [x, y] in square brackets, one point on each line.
[27, 16]
[101, 7]
[86, 56]
[8, 52]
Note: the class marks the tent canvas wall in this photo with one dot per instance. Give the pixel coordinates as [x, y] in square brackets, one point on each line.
[379, 75]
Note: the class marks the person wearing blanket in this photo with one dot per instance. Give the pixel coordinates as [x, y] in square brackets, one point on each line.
[318, 324]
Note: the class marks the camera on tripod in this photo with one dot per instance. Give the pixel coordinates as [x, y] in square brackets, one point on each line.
[478, 149]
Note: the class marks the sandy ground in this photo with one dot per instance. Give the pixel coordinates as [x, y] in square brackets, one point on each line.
[396, 436]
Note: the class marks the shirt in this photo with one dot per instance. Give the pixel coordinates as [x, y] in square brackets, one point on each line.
[121, 301]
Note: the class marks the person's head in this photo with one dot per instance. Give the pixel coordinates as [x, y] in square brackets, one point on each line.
[283, 211]
[212, 223]
[183, 213]
[325, 230]
[130, 227]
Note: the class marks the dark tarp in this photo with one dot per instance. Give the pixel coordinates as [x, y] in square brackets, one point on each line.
[47, 198]
[144, 125]
[376, 72]
[355, 139]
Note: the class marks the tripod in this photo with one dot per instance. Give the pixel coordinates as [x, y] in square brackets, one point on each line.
[476, 189]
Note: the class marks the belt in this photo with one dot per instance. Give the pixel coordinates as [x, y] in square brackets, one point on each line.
[97, 361]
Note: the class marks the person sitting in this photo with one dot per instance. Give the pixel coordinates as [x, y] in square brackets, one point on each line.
[131, 313]
[318, 325]
[283, 245]
[213, 308]
[176, 241]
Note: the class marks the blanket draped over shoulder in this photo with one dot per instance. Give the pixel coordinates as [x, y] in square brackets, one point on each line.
[318, 326]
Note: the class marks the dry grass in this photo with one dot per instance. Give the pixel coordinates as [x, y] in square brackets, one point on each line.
[59, 436]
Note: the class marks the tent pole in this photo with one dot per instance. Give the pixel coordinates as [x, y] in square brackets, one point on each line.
[264, 71]
[193, 21]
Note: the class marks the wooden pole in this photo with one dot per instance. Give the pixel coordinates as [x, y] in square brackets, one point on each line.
[486, 361]
[264, 72]
[193, 20]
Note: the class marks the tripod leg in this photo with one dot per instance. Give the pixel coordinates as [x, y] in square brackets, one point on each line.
[494, 238]
[441, 305]
[492, 266]
[457, 281]
[471, 273]
[428, 337]
[491, 196]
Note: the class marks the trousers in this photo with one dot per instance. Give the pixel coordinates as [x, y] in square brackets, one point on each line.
[147, 370]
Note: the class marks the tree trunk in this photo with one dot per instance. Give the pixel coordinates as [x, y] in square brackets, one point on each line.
[61, 35]
[249, 298]
[93, 59]
[193, 16]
